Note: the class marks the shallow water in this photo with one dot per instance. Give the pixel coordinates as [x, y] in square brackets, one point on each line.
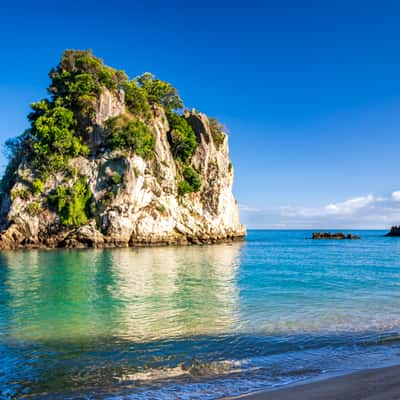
[196, 322]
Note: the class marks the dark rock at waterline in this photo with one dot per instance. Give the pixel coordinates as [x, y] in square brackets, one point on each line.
[394, 231]
[335, 236]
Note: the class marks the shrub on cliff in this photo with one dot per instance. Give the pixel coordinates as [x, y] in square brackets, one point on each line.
[81, 73]
[159, 92]
[181, 137]
[146, 90]
[217, 131]
[15, 149]
[53, 138]
[136, 100]
[72, 203]
[191, 182]
[130, 134]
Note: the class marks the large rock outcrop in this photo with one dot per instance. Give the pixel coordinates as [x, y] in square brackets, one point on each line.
[142, 206]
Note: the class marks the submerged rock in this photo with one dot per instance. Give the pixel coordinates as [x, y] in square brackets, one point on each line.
[335, 236]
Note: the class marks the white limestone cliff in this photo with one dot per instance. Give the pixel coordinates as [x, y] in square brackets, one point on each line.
[144, 208]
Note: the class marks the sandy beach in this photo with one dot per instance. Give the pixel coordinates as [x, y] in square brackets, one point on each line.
[373, 384]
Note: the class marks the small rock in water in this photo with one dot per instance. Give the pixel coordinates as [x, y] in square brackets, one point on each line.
[335, 235]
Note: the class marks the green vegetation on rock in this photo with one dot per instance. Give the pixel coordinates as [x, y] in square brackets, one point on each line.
[34, 208]
[15, 149]
[181, 137]
[145, 91]
[53, 137]
[217, 131]
[37, 186]
[116, 178]
[22, 193]
[191, 181]
[128, 134]
[159, 92]
[136, 100]
[72, 203]
[79, 79]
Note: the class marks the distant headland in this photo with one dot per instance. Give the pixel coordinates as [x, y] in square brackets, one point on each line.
[109, 161]
[394, 231]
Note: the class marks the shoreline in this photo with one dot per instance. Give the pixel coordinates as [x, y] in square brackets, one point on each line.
[370, 384]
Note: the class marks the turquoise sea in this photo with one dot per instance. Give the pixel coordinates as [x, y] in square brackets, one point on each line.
[198, 322]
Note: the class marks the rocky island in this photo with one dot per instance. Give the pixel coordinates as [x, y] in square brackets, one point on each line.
[334, 235]
[394, 231]
[111, 162]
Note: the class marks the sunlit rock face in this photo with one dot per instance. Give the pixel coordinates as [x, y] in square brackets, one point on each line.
[144, 208]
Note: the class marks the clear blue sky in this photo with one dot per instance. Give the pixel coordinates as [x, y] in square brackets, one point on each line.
[310, 90]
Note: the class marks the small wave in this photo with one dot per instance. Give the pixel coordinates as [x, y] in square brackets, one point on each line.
[196, 369]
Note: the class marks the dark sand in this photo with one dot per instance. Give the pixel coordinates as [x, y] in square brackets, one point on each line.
[373, 384]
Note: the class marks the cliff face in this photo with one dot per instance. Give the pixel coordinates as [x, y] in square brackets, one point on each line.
[133, 201]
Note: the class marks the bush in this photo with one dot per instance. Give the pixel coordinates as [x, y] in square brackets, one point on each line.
[181, 137]
[14, 150]
[53, 137]
[72, 204]
[159, 92]
[22, 193]
[183, 188]
[37, 186]
[34, 208]
[191, 182]
[160, 208]
[107, 199]
[81, 73]
[136, 100]
[116, 178]
[131, 135]
[217, 131]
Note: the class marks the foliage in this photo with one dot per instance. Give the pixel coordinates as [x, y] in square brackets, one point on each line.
[34, 208]
[191, 182]
[80, 76]
[218, 131]
[60, 123]
[14, 151]
[131, 134]
[181, 137]
[184, 187]
[159, 92]
[53, 137]
[146, 90]
[22, 193]
[72, 203]
[37, 186]
[160, 208]
[136, 100]
[107, 198]
[116, 178]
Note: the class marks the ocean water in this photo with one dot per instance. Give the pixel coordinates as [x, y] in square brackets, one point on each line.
[200, 322]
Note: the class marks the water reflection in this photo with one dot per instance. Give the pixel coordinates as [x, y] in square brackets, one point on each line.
[135, 294]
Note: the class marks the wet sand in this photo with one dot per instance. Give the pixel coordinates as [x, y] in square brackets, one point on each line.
[373, 384]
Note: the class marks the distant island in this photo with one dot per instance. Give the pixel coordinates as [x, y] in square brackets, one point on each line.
[394, 231]
[110, 162]
[335, 235]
